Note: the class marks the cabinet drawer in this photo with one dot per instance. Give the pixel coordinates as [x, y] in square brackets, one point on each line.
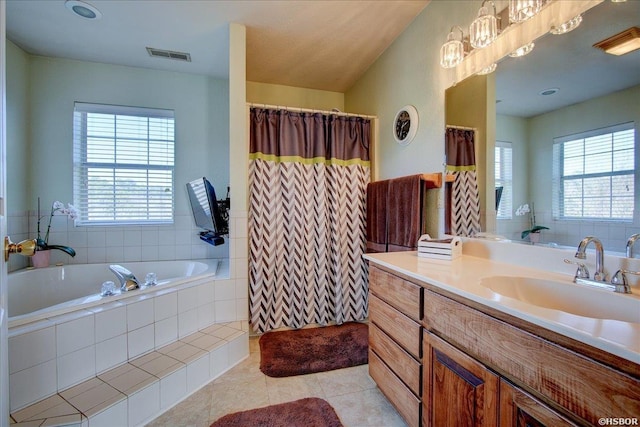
[401, 363]
[398, 394]
[402, 295]
[403, 330]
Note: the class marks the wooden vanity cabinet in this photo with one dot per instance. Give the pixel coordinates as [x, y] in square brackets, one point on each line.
[395, 342]
[480, 367]
[580, 388]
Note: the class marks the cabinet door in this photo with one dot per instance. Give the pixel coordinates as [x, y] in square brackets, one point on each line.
[458, 390]
[518, 409]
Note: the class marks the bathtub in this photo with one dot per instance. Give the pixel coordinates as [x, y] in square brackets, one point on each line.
[35, 294]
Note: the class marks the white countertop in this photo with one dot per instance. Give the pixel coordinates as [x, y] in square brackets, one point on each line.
[463, 275]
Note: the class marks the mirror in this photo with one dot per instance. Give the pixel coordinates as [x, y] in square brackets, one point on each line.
[596, 90]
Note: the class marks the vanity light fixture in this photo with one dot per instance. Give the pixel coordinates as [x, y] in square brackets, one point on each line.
[522, 50]
[484, 29]
[521, 10]
[570, 25]
[82, 9]
[488, 70]
[452, 52]
[621, 43]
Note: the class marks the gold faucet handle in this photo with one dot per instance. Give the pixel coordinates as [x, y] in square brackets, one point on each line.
[25, 247]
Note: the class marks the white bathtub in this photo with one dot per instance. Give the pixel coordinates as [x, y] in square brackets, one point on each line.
[35, 294]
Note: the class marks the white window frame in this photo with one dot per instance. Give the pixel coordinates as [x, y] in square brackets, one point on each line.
[505, 210]
[165, 166]
[559, 176]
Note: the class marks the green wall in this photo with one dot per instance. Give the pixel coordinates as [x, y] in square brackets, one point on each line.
[52, 85]
[409, 72]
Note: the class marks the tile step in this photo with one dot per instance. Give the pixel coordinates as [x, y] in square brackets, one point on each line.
[143, 388]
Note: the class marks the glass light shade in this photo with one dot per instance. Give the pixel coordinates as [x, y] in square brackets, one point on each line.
[488, 70]
[521, 10]
[484, 29]
[452, 52]
[523, 50]
[570, 25]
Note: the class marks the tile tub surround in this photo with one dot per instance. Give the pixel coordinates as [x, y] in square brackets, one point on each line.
[54, 354]
[118, 244]
[136, 392]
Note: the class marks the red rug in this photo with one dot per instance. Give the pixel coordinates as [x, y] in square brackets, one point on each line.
[310, 412]
[305, 351]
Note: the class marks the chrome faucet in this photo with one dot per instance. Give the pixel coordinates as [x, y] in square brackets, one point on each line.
[599, 275]
[128, 281]
[619, 281]
[630, 242]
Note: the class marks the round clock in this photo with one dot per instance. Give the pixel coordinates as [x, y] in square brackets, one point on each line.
[405, 125]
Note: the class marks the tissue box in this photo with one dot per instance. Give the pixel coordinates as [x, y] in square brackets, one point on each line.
[447, 249]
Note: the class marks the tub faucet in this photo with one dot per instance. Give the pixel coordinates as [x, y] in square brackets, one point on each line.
[599, 275]
[128, 281]
[630, 242]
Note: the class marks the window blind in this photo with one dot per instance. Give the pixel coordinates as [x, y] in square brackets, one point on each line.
[594, 174]
[504, 178]
[123, 164]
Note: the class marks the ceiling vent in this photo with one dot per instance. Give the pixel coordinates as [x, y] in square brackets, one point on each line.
[169, 54]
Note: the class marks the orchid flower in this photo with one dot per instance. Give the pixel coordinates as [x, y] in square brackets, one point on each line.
[70, 211]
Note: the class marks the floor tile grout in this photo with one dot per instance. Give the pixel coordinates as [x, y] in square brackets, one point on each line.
[352, 393]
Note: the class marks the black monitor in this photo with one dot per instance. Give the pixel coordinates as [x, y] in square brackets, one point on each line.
[206, 212]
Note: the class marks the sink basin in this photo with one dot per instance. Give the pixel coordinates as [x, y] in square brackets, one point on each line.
[567, 297]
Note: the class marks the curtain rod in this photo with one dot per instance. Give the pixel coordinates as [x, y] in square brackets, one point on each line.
[307, 110]
[460, 127]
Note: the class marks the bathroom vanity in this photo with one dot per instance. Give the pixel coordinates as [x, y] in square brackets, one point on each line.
[447, 350]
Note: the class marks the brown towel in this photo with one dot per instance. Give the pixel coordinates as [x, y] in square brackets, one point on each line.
[377, 216]
[404, 213]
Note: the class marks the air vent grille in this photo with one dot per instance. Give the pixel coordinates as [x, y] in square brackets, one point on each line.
[169, 54]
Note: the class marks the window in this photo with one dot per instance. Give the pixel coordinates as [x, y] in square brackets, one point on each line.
[504, 179]
[123, 164]
[594, 174]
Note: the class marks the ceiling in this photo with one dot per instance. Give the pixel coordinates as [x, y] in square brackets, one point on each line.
[570, 63]
[315, 44]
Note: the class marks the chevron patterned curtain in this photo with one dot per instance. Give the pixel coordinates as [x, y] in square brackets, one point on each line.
[465, 200]
[308, 174]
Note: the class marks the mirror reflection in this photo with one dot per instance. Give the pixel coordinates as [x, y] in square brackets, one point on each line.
[566, 121]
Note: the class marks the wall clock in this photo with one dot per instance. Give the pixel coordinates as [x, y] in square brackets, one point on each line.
[405, 125]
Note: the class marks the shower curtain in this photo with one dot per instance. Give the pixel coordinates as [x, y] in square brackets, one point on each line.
[308, 174]
[465, 199]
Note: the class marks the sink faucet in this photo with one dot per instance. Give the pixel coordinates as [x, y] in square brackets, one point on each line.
[599, 275]
[630, 242]
[619, 281]
[128, 281]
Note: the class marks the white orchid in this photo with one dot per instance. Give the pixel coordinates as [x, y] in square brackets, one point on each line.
[57, 206]
[523, 210]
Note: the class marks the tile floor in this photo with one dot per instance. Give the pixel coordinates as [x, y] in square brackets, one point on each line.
[350, 391]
